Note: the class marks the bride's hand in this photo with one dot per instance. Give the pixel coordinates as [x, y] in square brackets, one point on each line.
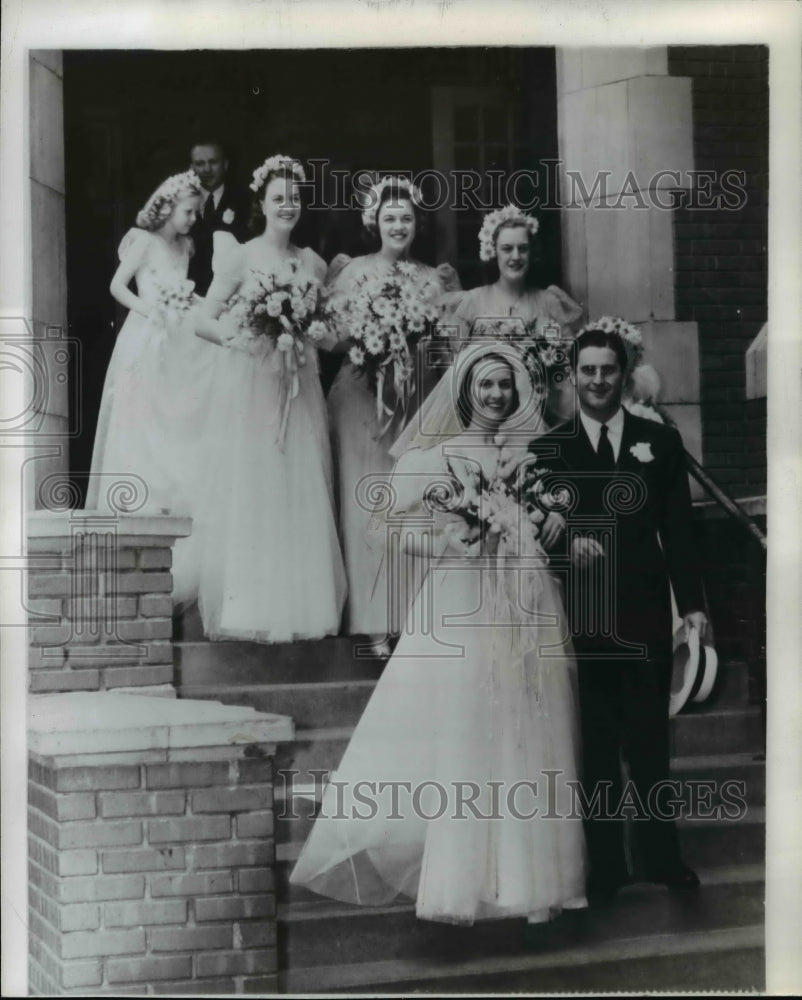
[551, 529]
[462, 539]
[510, 458]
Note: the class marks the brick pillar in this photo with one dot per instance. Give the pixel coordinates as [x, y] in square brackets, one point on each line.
[99, 601]
[151, 871]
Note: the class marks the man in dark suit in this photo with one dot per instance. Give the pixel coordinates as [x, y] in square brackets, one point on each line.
[628, 533]
[226, 206]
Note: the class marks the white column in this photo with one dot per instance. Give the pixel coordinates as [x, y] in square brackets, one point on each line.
[50, 451]
[626, 139]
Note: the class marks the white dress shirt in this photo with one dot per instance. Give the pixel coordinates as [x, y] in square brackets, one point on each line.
[615, 428]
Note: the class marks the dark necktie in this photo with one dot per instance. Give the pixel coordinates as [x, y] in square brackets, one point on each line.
[604, 452]
[208, 208]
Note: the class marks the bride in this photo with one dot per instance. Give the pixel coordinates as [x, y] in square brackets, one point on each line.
[471, 734]
[271, 568]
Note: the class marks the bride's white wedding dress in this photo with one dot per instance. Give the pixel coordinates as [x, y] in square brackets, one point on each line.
[271, 567]
[478, 691]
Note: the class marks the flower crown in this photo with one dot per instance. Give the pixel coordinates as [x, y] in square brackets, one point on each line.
[177, 185]
[374, 195]
[273, 164]
[493, 221]
[630, 335]
[161, 203]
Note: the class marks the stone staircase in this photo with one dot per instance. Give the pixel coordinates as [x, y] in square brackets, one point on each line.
[648, 940]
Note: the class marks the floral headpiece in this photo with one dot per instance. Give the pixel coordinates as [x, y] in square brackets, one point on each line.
[630, 335]
[159, 207]
[273, 164]
[493, 221]
[373, 197]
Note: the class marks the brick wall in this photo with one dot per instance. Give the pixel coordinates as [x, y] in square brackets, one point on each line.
[99, 610]
[721, 262]
[152, 878]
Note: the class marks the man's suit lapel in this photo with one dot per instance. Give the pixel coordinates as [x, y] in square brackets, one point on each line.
[578, 451]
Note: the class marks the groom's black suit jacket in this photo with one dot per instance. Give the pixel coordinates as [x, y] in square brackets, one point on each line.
[231, 215]
[644, 510]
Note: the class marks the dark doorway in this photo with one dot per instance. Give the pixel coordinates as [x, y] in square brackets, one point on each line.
[131, 117]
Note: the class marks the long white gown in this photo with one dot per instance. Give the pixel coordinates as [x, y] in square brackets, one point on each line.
[480, 691]
[149, 451]
[363, 464]
[271, 567]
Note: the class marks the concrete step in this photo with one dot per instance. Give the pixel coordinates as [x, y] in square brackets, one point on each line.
[202, 663]
[311, 705]
[250, 663]
[733, 777]
[320, 705]
[730, 690]
[328, 933]
[312, 749]
[728, 960]
[716, 731]
[705, 844]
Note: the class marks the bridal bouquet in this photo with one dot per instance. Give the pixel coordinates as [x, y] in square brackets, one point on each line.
[487, 506]
[281, 307]
[174, 301]
[385, 317]
[534, 496]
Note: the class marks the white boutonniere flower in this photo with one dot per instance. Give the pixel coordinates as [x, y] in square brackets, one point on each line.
[642, 451]
[228, 216]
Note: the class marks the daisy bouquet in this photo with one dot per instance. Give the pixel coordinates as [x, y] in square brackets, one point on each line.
[280, 305]
[540, 340]
[174, 301]
[385, 317]
[281, 308]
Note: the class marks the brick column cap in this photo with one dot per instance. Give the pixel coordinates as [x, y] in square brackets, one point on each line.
[100, 723]
[49, 524]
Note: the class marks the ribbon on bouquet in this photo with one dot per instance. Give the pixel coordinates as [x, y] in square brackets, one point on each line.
[514, 600]
[293, 358]
[403, 385]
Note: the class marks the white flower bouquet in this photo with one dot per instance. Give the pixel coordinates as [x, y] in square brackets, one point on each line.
[385, 318]
[494, 507]
[174, 301]
[282, 308]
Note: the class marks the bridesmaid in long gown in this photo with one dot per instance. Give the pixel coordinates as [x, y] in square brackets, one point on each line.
[360, 449]
[478, 702]
[151, 426]
[271, 566]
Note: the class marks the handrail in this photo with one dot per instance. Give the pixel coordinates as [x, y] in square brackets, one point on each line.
[730, 506]
[722, 499]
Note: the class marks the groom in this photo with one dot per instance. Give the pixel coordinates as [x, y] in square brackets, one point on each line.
[225, 206]
[629, 532]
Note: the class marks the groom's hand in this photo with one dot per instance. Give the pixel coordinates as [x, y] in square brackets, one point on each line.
[585, 551]
[699, 621]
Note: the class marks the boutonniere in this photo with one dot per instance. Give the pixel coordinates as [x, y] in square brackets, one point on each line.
[228, 216]
[642, 451]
